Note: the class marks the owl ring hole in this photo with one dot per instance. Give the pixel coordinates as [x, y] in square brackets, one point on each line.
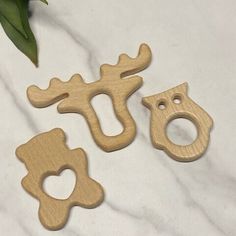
[181, 131]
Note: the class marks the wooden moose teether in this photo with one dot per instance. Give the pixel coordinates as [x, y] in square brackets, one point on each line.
[47, 154]
[76, 96]
[164, 109]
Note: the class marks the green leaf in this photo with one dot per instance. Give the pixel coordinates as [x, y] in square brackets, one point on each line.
[45, 1]
[25, 44]
[9, 9]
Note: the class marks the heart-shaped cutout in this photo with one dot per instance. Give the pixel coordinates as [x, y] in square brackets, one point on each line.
[60, 186]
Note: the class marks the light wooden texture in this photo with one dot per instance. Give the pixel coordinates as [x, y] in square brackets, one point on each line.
[47, 154]
[76, 97]
[164, 109]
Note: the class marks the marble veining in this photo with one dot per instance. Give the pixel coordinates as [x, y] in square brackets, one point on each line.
[147, 193]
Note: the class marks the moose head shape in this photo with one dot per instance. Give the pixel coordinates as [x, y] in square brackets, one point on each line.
[75, 96]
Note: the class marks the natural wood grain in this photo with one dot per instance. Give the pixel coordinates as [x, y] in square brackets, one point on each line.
[164, 109]
[47, 154]
[76, 97]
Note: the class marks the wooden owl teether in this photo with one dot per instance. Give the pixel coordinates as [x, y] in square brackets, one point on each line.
[76, 97]
[47, 154]
[164, 109]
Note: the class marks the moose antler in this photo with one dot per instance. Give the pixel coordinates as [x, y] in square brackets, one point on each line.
[126, 65]
[76, 96]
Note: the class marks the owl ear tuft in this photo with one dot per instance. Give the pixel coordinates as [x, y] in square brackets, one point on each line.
[184, 87]
[146, 101]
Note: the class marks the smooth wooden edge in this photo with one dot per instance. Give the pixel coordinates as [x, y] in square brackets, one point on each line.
[187, 109]
[75, 96]
[74, 159]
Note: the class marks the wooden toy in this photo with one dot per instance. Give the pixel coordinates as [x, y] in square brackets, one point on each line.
[172, 104]
[47, 154]
[76, 97]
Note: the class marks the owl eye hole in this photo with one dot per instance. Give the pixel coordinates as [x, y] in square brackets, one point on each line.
[177, 99]
[162, 105]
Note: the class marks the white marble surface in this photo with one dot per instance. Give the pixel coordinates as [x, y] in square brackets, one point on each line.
[147, 193]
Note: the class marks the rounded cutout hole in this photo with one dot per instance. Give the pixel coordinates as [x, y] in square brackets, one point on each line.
[162, 105]
[60, 186]
[103, 106]
[177, 99]
[181, 131]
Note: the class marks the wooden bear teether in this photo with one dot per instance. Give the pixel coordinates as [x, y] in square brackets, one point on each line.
[164, 109]
[76, 97]
[47, 154]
